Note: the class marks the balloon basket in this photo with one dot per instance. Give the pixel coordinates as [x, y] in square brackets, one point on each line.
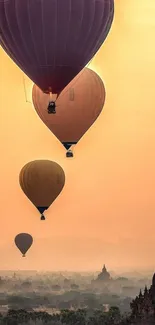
[51, 108]
[42, 217]
[23, 255]
[69, 154]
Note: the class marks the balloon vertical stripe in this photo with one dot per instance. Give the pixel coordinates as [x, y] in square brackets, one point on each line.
[52, 41]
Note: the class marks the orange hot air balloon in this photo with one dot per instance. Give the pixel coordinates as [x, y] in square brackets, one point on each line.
[23, 242]
[42, 181]
[77, 107]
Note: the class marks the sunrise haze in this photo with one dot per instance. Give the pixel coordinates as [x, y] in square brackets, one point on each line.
[106, 212]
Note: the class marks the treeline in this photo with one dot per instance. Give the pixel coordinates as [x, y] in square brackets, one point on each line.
[66, 317]
[79, 317]
[65, 300]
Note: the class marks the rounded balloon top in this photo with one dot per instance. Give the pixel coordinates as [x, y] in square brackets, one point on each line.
[23, 242]
[77, 107]
[52, 41]
[42, 181]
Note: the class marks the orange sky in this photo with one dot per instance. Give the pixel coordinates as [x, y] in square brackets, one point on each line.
[106, 212]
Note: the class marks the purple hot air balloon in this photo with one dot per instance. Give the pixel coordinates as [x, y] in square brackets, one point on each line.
[53, 40]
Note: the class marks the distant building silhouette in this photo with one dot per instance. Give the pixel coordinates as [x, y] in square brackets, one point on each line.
[102, 280]
[104, 275]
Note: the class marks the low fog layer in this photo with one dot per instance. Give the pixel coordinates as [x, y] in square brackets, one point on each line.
[54, 291]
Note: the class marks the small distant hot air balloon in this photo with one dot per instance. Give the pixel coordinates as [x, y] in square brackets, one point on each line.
[42, 181]
[77, 107]
[23, 242]
[53, 40]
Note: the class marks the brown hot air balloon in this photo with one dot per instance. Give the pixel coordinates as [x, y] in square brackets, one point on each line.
[42, 181]
[23, 242]
[77, 107]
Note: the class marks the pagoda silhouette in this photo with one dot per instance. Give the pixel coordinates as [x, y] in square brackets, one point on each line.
[104, 275]
[102, 279]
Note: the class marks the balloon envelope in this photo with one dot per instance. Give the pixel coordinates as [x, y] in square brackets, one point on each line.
[52, 40]
[42, 181]
[23, 241]
[77, 107]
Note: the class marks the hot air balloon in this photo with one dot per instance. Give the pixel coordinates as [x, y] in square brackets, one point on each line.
[23, 241]
[52, 41]
[77, 107]
[42, 181]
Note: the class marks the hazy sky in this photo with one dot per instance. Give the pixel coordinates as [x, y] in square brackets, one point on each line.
[106, 212]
